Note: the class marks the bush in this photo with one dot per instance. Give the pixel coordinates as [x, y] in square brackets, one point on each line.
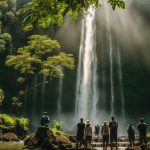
[8, 120]
[57, 126]
[15, 121]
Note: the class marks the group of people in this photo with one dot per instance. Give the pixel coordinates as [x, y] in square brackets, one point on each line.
[109, 132]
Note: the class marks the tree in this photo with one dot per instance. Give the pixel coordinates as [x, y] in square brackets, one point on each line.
[46, 13]
[6, 18]
[40, 56]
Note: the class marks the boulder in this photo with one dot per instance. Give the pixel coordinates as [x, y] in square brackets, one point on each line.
[46, 139]
[9, 137]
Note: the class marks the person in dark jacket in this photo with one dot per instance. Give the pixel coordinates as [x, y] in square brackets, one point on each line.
[113, 126]
[80, 132]
[131, 134]
[44, 120]
[97, 129]
[142, 132]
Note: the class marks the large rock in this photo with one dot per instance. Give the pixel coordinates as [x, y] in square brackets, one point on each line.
[9, 137]
[46, 139]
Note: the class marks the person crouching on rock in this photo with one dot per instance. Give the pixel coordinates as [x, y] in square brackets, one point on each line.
[80, 132]
[44, 120]
[88, 134]
[105, 134]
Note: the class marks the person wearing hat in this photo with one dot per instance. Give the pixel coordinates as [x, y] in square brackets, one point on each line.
[88, 133]
[142, 132]
[44, 120]
[105, 134]
[131, 134]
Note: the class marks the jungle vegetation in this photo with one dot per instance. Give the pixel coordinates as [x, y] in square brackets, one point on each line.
[27, 54]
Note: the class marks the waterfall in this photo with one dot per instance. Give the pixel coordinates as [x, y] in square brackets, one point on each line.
[43, 93]
[95, 78]
[60, 86]
[86, 88]
[15, 5]
[79, 75]
[34, 97]
[25, 100]
[121, 84]
[111, 58]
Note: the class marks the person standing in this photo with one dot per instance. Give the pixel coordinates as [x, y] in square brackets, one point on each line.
[113, 126]
[131, 134]
[105, 134]
[44, 120]
[80, 132]
[142, 132]
[88, 134]
[97, 129]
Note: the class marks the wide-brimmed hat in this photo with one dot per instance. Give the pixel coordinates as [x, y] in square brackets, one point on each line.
[88, 122]
[105, 121]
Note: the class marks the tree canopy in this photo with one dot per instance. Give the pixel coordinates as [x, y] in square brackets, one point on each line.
[40, 56]
[46, 13]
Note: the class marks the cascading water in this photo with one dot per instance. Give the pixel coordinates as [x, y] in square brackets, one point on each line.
[110, 57]
[78, 85]
[60, 87]
[43, 93]
[86, 88]
[121, 84]
[34, 97]
[25, 100]
[15, 3]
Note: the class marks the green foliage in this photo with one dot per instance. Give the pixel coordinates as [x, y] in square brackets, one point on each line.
[16, 102]
[3, 3]
[46, 13]
[8, 120]
[118, 3]
[38, 57]
[15, 121]
[2, 96]
[57, 126]
[21, 79]
[5, 43]
[22, 122]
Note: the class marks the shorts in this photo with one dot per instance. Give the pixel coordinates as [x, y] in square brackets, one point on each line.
[88, 138]
[105, 138]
